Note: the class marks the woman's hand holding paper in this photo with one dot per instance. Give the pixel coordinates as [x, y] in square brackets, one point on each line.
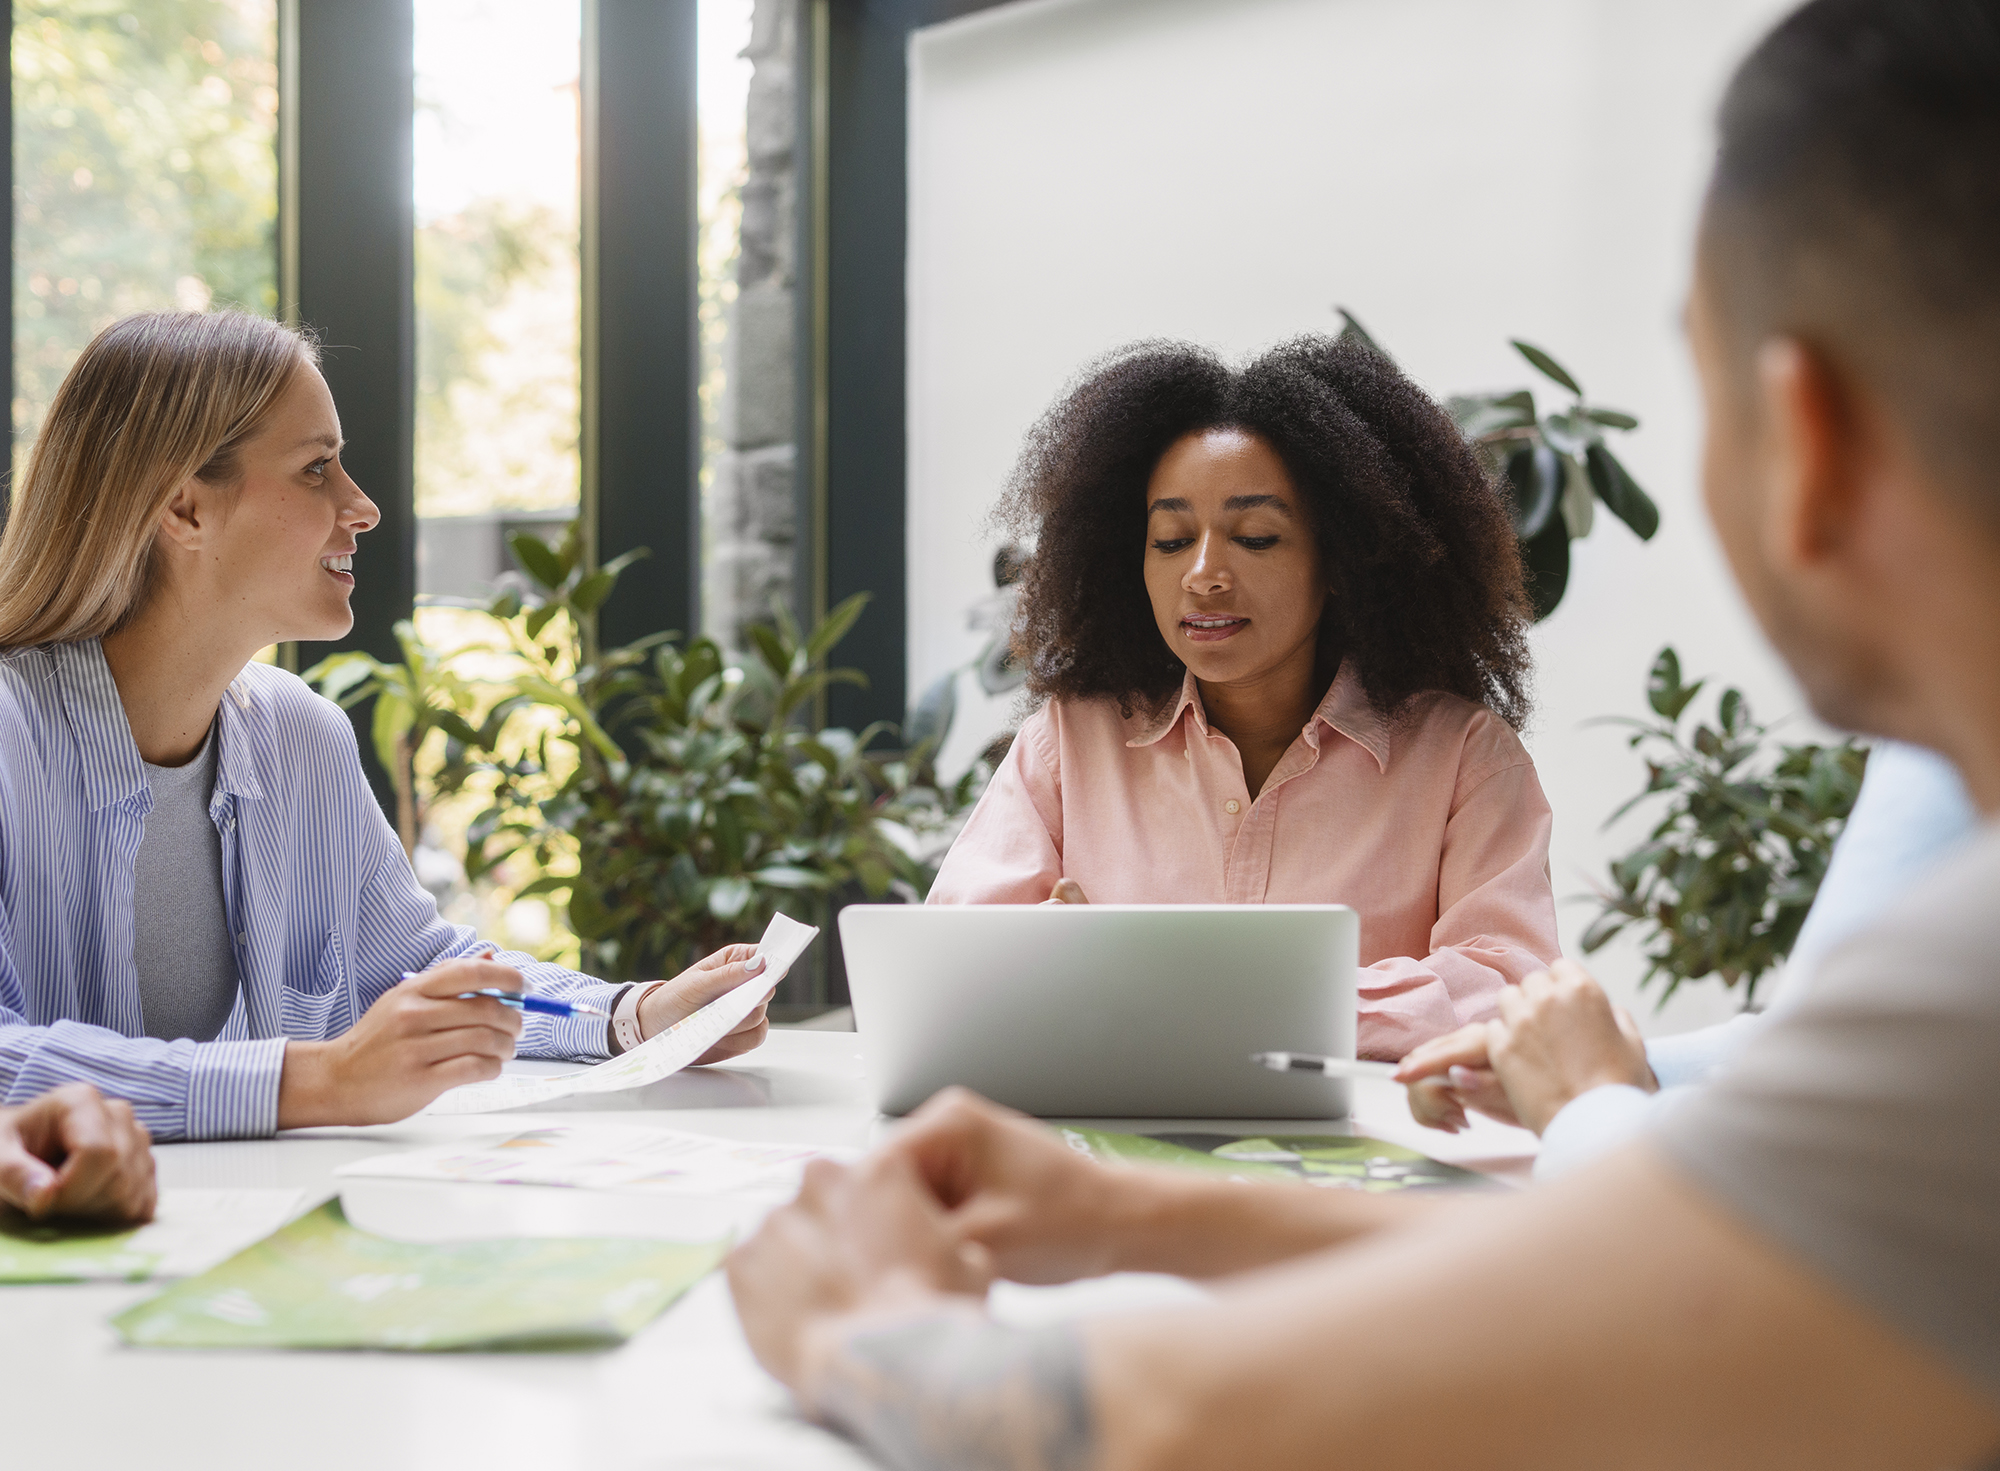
[701, 983]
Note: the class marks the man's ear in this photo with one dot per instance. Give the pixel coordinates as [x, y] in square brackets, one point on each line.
[1811, 455]
[186, 521]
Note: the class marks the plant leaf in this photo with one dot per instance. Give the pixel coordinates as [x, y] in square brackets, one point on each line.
[537, 558]
[1534, 474]
[834, 627]
[1612, 418]
[1545, 561]
[930, 722]
[782, 876]
[590, 593]
[1547, 365]
[1351, 330]
[1621, 493]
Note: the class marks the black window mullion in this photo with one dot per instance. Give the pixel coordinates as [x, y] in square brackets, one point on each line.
[641, 450]
[355, 233]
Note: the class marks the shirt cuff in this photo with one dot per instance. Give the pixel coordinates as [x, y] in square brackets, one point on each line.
[1589, 1126]
[571, 1038]
[233, 1089]
[1688, 1057]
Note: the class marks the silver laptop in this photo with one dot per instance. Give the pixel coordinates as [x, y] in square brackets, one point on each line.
[1104, 1010]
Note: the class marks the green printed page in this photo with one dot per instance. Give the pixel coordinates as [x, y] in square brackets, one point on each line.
[34, 1252]
[321, 1283]
[1338, 1161]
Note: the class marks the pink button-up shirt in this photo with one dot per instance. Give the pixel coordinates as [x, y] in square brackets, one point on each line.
[1432, 827]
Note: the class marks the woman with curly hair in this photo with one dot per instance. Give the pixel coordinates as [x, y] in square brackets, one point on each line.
[1275, 618]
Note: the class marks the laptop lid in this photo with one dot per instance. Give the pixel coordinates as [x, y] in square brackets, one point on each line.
[1104, 1010]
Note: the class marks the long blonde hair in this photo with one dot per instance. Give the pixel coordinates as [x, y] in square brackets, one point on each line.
[154, 399]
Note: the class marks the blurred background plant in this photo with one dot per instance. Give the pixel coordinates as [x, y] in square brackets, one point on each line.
[427, 691]
[1555, 466]
[145, 172]
[993, 668]
[1722, 882]
[671, 796]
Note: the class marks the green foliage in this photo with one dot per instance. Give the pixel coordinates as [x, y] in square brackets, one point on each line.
[497, 366]
[146, 170]
[422, 694]
[1722, 883]
[680, 786]
[1555, 466]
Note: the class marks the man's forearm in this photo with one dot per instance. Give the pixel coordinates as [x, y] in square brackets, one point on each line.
[1201, 1226]
[950, 1388]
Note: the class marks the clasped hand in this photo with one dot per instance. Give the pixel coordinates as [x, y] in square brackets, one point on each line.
[74, 1154]
[962, 1193]
[1557, 1036]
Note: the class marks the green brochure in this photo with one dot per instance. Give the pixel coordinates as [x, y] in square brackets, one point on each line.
[33, 1252]
[190, 1232]
[321, 1283]
[1348, 1162]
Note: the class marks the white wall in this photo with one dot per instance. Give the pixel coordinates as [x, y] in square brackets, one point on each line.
[1456, 172]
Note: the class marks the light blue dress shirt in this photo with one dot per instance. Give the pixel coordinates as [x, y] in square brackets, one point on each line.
[322, 906]
[1912, 810]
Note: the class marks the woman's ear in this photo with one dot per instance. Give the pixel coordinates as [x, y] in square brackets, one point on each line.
[187, 517]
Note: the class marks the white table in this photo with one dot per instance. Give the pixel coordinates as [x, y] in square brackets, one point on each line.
[684, 1392]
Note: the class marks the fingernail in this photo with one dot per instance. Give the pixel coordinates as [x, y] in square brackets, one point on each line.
[1462, 1077]
[755, 963]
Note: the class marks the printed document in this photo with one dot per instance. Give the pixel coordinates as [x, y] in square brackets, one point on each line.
[784, 940]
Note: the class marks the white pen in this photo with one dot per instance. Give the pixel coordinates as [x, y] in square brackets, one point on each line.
[1326, 1067]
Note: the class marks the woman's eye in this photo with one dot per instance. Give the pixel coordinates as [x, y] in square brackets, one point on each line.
[318, 467]
[1257, 543]
[1173, 544]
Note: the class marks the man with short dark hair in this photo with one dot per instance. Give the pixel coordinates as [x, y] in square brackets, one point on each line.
[1801, 1266]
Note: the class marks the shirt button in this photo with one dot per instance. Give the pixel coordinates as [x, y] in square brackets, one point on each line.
[1232, 806]
[242, 937]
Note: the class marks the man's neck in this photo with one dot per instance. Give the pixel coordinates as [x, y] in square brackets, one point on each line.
[1967, 727]
[1944, 644]
[171, 676]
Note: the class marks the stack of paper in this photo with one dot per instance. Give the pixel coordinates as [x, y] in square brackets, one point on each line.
[602, 1157]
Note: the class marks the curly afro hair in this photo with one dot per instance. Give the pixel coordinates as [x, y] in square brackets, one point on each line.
[1413, 534]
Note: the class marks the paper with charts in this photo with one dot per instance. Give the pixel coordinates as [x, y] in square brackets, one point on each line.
[785, 939]
[617, 1157]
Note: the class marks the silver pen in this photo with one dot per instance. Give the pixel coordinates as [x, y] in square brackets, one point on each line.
[1326, 1067]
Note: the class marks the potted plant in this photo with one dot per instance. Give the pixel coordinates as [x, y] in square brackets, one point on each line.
[1722, 881]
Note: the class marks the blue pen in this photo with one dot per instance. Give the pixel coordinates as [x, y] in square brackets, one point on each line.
[518, 1001]
[542, 1004]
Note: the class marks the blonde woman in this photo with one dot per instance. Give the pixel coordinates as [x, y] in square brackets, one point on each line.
[202, 909]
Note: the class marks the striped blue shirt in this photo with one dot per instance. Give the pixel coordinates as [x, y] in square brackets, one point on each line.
[323, 908]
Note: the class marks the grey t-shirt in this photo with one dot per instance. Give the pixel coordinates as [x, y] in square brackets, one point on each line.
[1860, 1130]
[180, 930]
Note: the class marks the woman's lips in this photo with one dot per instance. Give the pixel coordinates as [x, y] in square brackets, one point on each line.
[1212, 628]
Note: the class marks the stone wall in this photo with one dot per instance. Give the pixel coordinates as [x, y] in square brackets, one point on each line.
[751, 505]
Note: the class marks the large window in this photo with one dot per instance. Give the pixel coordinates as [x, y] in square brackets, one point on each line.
[497, 294]
[145, 171]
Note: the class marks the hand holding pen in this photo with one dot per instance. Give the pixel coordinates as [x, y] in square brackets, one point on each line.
[419, 1038]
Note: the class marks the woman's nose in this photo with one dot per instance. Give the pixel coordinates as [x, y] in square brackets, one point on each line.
[1207, 574]
[361, 513]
